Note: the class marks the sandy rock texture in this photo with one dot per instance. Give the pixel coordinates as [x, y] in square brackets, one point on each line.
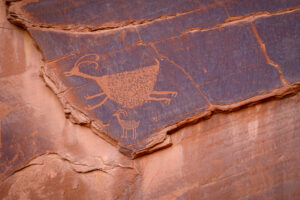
[239, 141]
[133, 72]
[249, 154]
[40, 149]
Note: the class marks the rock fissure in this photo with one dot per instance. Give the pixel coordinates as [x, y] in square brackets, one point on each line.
[2, 27]
[16, 19]
[279, 93]
[223, 6]
[78, 167]
[185, 72]
[265, 53]
[21, 170]
[233, 21]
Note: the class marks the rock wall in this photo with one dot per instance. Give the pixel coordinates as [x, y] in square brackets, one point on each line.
[246, 151]
[43, 154]
[249, 154]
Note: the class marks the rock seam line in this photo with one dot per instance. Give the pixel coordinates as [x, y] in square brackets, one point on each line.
[184, 71]
[16, 19]
[265, 53]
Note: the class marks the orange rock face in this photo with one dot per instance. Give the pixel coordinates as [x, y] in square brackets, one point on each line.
[91, 90]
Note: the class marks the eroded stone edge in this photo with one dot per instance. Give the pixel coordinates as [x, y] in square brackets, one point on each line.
[161, 139]
[77, 116]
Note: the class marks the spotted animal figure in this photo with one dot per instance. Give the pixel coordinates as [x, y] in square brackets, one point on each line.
[129, 89]
[127, 125]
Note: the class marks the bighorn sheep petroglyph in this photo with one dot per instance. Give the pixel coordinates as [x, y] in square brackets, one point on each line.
[129, 89]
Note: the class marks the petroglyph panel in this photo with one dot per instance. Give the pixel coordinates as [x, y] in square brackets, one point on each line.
[131, 90]
[129, 71]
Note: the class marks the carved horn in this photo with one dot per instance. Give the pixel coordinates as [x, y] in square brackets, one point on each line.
[121, 111]
[81, 60]
[157, 62]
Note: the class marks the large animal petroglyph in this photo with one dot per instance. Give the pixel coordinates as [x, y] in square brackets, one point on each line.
[129, 89]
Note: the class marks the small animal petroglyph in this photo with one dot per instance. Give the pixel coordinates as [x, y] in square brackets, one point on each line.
[127, 125]
[129, 89]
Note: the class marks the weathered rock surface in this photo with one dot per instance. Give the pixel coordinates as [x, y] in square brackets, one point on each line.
[134, 71]
[41, 150]
[249, 154]
[224, 98]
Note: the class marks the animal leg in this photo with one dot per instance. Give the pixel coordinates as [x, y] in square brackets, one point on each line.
[93, 96]
[123, 133]
[98, 105]
[173, 93]
[134, 133]
[167, 100]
